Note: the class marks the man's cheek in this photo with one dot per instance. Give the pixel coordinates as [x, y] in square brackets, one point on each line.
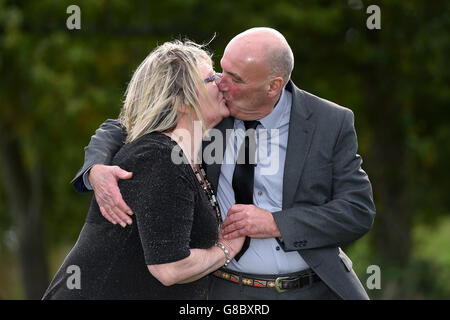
[235, 93]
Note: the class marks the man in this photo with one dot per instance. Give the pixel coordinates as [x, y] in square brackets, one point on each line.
[296, 218]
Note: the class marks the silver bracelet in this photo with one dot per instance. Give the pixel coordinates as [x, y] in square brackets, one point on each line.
[227, 253]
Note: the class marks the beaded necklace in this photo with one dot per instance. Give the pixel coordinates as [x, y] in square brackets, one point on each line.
[204, 183]
[206, 186]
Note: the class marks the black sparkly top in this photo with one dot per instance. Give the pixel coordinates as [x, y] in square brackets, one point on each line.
[171, 215]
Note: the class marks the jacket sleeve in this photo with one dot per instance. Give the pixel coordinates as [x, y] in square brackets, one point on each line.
[108, 139]
[347, 216]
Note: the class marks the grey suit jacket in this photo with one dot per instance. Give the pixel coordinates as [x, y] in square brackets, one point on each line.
[327, 197]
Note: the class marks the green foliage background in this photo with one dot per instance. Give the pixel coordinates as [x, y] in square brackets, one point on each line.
[58, 85]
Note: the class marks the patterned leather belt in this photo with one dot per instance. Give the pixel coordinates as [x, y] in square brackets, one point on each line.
[281, 284]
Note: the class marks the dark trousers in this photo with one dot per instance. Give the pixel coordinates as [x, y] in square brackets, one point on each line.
[221, 289]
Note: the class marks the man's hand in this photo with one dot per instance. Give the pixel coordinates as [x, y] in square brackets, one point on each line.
[249, 220]
[103, 180]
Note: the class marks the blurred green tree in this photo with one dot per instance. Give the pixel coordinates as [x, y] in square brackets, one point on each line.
[58, 85]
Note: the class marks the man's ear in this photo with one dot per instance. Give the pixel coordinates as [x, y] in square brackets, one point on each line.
[275, 87]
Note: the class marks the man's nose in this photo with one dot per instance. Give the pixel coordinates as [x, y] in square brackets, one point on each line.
[221, 84]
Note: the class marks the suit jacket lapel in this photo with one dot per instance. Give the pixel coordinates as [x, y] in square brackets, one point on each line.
[301, 131]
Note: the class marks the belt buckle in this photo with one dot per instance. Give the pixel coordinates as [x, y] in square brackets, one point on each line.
[277, 284]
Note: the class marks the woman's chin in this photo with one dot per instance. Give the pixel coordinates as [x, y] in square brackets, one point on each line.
[213, 122]
[224, 111]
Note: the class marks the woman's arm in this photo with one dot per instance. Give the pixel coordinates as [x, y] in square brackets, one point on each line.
[163, 200]
[200, 263]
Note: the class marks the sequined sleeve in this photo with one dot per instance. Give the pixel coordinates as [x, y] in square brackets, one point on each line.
[162, 198]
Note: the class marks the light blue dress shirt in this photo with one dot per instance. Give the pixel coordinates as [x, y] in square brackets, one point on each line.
[264, 256]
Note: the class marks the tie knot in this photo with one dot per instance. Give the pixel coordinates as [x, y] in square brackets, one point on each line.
[251, 124]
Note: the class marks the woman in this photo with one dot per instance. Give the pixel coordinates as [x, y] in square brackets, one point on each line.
[173, 243]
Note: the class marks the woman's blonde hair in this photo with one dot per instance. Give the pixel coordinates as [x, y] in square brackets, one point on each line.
[167, 79]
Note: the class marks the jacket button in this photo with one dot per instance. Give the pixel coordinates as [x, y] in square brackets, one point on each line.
[300, 244]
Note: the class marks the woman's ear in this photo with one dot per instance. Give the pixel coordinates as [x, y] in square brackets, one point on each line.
[183, 109]
[275, 87]
[188, 111]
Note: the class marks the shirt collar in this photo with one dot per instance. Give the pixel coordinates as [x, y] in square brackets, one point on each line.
[280, 113]
[279, 116]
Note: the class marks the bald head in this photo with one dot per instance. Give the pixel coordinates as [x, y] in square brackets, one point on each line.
[266, 46]
[256, 65]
